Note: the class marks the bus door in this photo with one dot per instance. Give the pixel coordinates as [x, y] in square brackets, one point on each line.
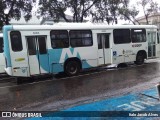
[37, 54]
[2, 63]
[104, 49]
[158, 45]
[151, 44]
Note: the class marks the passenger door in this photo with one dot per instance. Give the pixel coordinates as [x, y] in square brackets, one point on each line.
[37, 54]
[158, 45]
[104, 50]
[2, 63]
[151, 44]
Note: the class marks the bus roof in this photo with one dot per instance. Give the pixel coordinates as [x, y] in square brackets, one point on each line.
[74, 26]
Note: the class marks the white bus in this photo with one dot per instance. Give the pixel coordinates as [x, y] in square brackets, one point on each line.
[43, 49]
[2, 59]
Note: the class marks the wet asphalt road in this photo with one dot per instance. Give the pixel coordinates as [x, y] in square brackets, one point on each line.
[61, 93]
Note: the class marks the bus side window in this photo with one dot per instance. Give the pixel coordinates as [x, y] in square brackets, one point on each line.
[138, 35]
[81, 38]
[1, 45]
[16, 41]
[59, 39]
[121, 36]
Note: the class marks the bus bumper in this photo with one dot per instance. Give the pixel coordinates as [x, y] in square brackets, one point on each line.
[8, 70]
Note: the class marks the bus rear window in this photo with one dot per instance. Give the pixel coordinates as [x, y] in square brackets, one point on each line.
[1, 45]
[16, 41]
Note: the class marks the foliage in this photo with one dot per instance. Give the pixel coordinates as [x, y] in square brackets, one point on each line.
[105, 10]
[14, 9]
[112, 10]
[128, 13]
[56, 9]
[100, 10]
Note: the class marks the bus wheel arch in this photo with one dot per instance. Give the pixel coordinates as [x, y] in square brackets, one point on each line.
[141, 55]
[72, 66]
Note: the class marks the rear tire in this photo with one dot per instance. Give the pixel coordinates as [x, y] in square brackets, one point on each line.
[139, 59]
[72, 68]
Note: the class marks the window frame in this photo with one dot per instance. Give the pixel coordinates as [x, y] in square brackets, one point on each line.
[141, 34]
[120, 29]
[80, 38]
[61, 39]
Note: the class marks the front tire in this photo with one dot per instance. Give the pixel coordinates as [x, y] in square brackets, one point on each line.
[72, 68]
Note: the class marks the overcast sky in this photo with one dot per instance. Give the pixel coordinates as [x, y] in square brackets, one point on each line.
[133, 2]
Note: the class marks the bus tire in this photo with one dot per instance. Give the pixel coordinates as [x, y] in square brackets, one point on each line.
[72, 68]
[140, 58]
[122, 65]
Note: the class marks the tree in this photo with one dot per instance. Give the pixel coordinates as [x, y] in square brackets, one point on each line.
[128, 13]
[53, 8]
[149, 7]
[100, 13]
[57, 8]
[81, 8]
[114, 7]
[106, 10]
[14, 9]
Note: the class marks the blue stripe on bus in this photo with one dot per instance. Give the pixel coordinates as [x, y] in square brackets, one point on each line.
[86, 65]
[6, 44]
[44, 61]
[54, 60]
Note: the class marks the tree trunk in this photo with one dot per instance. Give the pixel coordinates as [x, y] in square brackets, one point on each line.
[7, 19]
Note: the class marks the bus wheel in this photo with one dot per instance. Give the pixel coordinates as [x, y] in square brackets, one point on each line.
[139, 59]
[72, 68]
[122, 65]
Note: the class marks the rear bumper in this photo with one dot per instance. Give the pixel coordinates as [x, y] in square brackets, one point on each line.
[8, 70]
[18, 71]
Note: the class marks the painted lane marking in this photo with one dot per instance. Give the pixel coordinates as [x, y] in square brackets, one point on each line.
[131, 103]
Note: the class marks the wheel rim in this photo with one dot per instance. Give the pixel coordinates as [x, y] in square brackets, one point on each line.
[72, 68]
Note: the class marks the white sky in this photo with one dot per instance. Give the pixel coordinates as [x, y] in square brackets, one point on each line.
[133, 2]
